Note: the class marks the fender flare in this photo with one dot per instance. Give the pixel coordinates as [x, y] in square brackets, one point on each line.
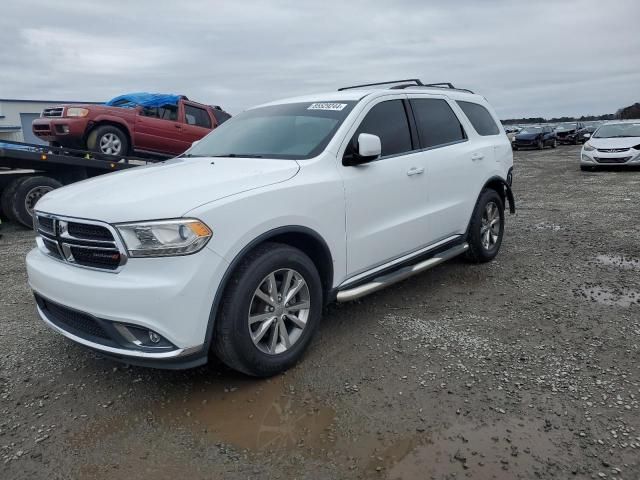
[508, 192]
[238, 258]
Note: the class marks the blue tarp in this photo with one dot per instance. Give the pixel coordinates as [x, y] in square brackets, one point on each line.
[144, 99]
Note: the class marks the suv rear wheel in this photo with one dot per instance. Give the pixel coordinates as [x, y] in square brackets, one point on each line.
[108, 140]
[486, 228]
[269, 312]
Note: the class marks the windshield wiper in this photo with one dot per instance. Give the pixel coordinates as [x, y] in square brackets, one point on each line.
[236, 155]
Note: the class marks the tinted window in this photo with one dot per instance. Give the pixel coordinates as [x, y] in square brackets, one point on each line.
[197, 116]
[387, 120]
[168, 112]
[436, 122]
[221, 116]
[480, 118]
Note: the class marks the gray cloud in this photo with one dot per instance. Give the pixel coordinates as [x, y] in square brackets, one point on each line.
[528, 58]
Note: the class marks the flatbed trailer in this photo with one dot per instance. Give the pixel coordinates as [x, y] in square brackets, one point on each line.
[28, 171]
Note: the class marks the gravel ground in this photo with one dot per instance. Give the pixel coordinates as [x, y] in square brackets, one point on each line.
[527, 367]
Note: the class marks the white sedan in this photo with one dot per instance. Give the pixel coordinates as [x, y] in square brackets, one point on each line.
[615, 143]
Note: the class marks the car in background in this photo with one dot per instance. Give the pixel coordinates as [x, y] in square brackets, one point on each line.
[616, 143]
[588, 131]
[147, 123]
[535, 137]
[571, 133]
[511, 131]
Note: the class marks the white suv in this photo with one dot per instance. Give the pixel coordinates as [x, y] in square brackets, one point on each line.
[234, 247]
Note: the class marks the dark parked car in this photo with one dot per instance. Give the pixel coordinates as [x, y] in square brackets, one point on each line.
[571, 133]
[535, 137]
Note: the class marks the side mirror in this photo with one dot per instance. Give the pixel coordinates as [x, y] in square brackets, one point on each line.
[587, 135]
[368, 148]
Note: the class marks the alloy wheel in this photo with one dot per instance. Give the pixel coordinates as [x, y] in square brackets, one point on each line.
[279, 311]
[110, 144]
[491, 225]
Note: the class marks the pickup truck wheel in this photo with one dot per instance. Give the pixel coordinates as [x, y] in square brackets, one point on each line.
[486, 228]
[27, 194]
[6, 198]
[269, 312]
[108, 140]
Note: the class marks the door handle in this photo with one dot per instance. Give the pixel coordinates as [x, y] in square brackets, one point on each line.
[177, 125]
[477, 156]
[415, 171]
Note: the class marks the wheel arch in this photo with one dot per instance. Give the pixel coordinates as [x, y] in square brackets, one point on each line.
[503, 188]
[304, 238]
[113, 123]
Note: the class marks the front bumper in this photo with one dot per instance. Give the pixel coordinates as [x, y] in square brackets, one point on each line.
[592, 158]
[68, 132]
[171, 296]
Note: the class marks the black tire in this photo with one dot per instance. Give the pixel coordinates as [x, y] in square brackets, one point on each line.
[540, 145]
[478, 253]
[554, 144]
[232, 342]
[27, 194]
[6, 197]
[515, 147]
[101, 133]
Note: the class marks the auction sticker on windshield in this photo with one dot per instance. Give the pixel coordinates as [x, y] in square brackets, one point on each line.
[327, 106]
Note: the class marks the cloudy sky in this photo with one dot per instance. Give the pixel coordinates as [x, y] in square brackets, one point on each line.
[528, 57]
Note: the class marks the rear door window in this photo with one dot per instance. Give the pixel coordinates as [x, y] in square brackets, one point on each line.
[387, 120]
[436, 122]
[197, 116]
[480, 118]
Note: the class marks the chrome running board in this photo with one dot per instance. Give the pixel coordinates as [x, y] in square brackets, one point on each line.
[398, 275]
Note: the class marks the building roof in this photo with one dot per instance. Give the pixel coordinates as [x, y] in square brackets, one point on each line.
[28, 100]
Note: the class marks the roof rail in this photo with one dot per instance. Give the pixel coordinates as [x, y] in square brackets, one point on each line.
[445, 85]
[415, 82]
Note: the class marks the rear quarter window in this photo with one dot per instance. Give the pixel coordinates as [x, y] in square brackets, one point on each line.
[437, 124]
[480, 118]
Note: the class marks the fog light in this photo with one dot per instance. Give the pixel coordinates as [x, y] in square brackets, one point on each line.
[154, 337]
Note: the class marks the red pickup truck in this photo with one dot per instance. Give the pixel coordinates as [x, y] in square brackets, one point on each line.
[166, 125]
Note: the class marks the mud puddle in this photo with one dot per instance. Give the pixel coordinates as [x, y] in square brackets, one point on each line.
[256, 415]
[509, 449]
[622, 297]
[619, 261]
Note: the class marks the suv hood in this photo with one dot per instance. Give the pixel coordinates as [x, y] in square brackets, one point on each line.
[164, 190]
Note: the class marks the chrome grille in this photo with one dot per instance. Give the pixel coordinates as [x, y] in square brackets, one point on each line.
[613, 150]
[84, 243]
[53, 112]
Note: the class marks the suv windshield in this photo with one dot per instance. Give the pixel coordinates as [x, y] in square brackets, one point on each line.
[618, 130]
[290, 131]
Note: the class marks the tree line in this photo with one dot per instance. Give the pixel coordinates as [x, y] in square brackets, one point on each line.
[626, 113]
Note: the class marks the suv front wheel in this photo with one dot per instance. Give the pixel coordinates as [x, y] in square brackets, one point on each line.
[486, 228]
[108, 140]
[270, 311]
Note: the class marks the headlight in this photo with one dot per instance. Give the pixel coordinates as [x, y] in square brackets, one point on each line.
[164, 237]
[588, 147]
[77, 112]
